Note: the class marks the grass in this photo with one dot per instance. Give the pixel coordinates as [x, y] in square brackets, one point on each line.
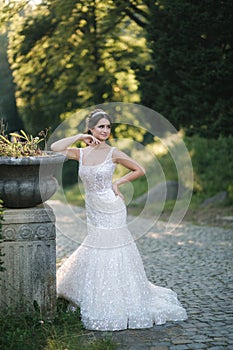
[65, 332]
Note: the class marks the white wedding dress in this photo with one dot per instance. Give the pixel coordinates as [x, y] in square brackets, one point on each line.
[105, 276]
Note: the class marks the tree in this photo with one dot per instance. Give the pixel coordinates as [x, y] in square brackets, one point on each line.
[189, 76]
[9, 8]
[8, 109]
[70, 55]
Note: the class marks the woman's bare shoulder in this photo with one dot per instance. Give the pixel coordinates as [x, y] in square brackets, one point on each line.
[118, 154]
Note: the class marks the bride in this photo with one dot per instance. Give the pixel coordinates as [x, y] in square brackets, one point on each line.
[105, 276]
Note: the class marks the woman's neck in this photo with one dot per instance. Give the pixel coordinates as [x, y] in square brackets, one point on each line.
[101, 145]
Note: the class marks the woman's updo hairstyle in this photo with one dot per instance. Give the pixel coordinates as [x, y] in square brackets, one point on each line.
[94, 117]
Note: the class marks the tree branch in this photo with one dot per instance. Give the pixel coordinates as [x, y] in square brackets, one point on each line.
[135, 18]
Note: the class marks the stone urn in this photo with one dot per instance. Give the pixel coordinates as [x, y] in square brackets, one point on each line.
[28, 181]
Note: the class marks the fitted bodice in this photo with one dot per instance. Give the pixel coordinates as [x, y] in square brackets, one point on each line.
[97, 178]
[103, 208]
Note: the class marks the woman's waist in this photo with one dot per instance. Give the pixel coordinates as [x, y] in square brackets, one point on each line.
[104, 199]
[93, 191]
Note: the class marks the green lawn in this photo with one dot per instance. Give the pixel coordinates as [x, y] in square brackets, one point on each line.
[65, 332]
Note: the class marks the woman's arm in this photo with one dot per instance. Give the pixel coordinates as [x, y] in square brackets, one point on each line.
[62, 146]
[136, 170]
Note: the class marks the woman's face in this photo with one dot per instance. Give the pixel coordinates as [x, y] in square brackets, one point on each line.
[102, 129]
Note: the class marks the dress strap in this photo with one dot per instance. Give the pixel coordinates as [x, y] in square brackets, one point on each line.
[109, 156]
[80, 156]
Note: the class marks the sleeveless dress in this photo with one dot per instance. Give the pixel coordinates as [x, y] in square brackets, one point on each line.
[105, 276]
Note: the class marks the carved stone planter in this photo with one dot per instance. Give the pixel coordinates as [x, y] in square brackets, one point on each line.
[28, 181]
[29, 281]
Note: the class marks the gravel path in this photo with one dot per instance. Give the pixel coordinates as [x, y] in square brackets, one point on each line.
[195, 261]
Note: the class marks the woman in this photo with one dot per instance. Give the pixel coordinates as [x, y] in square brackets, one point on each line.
[105, 276]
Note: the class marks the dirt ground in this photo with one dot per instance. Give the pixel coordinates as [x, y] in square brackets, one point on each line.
[210, 215]
[213, 216]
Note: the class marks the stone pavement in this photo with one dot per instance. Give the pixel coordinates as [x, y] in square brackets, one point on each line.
[195, 261]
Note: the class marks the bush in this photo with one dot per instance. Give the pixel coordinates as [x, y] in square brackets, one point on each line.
[70, 173]
[212, 163]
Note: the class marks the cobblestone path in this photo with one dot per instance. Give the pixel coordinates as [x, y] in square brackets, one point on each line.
[196, 262]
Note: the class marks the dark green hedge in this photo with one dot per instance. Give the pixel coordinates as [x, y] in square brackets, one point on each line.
[212, 161]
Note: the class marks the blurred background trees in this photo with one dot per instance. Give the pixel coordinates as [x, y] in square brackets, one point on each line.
[70, 55]
[174, 56]
[189, 79]
[8, 108]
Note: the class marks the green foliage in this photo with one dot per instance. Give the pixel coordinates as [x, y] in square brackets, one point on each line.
[69, 173]
[9, 9]
[67, 56]
[189, 76]
[212, 163]
[174, 55]
[8, 109]
[64, 332]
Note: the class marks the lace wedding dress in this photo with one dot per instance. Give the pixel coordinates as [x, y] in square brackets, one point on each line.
[105, 276]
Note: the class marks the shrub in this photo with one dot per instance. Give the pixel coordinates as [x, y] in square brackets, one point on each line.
[212, 163]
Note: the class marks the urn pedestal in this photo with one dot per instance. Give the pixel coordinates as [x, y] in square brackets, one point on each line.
[29, 280]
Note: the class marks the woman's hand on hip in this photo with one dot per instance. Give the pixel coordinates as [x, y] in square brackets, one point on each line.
[116, 190]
